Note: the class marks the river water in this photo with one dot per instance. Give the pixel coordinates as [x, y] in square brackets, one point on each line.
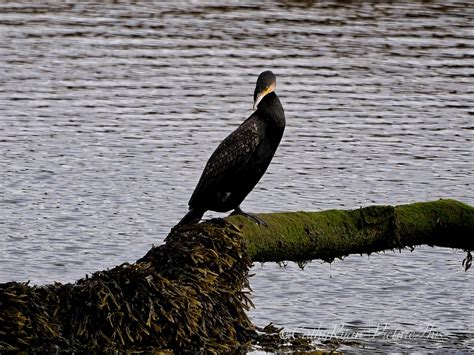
[108, 113]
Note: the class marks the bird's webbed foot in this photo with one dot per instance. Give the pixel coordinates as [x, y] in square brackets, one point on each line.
[256, 219]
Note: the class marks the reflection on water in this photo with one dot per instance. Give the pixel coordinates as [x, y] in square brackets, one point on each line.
[108, 113]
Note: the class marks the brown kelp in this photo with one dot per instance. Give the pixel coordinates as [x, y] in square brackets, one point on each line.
[189, 294]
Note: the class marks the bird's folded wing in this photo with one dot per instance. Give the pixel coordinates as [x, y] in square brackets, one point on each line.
[229, 157]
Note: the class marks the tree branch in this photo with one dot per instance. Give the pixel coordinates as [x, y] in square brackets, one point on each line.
[302, 236]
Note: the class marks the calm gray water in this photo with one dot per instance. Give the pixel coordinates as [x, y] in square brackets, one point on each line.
[109, 112]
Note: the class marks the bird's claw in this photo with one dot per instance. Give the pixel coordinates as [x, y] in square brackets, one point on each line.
[251, 216]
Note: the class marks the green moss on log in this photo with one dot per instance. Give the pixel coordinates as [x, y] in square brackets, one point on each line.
[300, 236]
[445, 223]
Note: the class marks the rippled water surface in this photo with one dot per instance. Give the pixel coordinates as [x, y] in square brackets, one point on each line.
[109, 112]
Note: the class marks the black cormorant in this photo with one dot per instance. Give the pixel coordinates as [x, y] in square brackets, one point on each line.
[242, 158]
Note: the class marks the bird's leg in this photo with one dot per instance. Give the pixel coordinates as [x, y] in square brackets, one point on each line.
[256, 219]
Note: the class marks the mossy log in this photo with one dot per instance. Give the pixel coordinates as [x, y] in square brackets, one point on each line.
[326, 235]
[191, 294]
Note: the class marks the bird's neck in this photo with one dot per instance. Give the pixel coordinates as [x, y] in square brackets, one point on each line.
[271, 108]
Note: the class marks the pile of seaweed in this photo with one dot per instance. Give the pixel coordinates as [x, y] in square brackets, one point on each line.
[189, 294]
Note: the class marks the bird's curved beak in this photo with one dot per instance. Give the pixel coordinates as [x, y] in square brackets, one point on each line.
[262, 94]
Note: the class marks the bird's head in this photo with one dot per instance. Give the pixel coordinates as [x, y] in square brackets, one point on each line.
[266, 84]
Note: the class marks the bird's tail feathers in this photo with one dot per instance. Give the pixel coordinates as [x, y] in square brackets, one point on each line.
[193, 216]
